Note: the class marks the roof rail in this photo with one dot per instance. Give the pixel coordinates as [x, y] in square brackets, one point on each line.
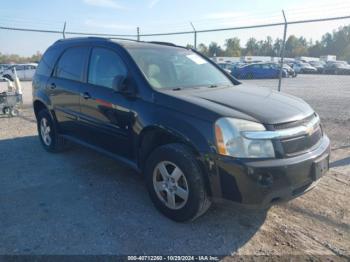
[162, 43]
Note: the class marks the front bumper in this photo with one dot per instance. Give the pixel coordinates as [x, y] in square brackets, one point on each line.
[260, 183]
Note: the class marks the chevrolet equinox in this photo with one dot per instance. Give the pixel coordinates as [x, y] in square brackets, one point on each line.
[194, 132]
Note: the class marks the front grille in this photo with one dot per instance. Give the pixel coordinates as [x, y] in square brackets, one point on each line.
[297, 145]
[301, 144]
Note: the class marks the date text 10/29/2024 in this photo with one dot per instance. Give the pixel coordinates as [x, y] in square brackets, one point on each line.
[173, 258]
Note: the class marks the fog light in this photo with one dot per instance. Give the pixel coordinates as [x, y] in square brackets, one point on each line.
[265, 179]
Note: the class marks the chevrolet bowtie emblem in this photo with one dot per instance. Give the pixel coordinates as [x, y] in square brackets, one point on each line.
[310, 130]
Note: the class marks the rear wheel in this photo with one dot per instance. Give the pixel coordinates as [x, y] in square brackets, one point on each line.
[14, 112]
[175, 183]
[6, 110]
[250, 76]
[48, 133]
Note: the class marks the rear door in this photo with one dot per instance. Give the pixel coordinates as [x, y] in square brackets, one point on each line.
[65, 87]
[106, 114]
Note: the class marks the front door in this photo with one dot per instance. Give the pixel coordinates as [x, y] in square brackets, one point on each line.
[105, 113]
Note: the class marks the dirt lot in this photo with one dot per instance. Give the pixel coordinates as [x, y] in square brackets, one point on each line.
[81, 202]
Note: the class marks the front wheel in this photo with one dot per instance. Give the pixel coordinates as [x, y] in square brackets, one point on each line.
[175, 183]
[48, 133]
[8, 77]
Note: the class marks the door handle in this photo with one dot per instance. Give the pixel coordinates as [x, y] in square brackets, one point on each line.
[53, 86]
[86, 95]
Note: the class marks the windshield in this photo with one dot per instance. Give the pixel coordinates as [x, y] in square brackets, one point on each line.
[173, 68]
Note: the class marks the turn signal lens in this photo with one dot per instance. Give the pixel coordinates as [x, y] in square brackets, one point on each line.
[220, 141]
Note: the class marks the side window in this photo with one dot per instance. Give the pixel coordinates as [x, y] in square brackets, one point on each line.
[47, 62]
[29, 67]
[104, 66]
[19, 67]
[71, 64]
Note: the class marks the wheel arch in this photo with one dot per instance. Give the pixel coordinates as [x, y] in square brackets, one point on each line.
[153, 137]
[39, 105]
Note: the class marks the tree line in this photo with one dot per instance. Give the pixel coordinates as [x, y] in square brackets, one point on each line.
[335, 43]
[17, 59]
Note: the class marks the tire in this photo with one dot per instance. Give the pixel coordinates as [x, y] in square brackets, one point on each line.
[8, 77]
[6, 110]
[189, 179]
[53, 143]
[250, 76]
[14, 112]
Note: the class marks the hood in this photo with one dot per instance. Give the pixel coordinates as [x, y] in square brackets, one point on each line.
[261, 104]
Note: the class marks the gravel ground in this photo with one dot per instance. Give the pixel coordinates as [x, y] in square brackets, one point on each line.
[81, 202]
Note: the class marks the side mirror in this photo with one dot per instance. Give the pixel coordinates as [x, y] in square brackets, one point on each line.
[120, 85]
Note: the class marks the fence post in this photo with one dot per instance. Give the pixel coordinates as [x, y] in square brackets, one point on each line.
[195, 36]
[282, 51]
[138, 33]
[64, 30]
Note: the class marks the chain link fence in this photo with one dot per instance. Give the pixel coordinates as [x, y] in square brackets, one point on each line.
[283, 31]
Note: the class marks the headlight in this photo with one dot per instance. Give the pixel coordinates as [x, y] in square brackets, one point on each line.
[230, 142]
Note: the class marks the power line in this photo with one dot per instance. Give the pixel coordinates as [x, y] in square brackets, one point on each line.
[249, 27]
[176, 33]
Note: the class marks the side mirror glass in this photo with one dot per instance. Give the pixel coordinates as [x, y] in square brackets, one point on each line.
[121, 85]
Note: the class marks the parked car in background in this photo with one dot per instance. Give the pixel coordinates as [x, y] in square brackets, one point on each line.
[3, 67]
[257, 71]
[291, 72]
[226, 66]
[237, 64]
[319, 65]
[303, 68]
[24, 71]
[337, 68]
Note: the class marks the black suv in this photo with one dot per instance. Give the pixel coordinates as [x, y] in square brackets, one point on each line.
[195, 132]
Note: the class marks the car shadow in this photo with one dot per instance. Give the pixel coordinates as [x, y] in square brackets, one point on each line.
[341, 162]
[81, 202]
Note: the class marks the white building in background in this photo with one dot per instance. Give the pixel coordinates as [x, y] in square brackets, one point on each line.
[225, 59]
[327, 58]
[252, 59]
[276, 59]
[307, 59]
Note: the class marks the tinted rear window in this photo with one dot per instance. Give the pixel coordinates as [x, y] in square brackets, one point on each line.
[71, 64]
[47, 62]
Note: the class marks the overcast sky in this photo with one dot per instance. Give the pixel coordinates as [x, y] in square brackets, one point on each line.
[154, 16]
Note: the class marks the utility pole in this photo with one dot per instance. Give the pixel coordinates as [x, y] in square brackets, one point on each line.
[282, 51]
[64, 30]
[138, 33]
[195, 36]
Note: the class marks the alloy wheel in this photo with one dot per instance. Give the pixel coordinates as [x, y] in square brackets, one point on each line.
[45, 131]
[170, 185]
